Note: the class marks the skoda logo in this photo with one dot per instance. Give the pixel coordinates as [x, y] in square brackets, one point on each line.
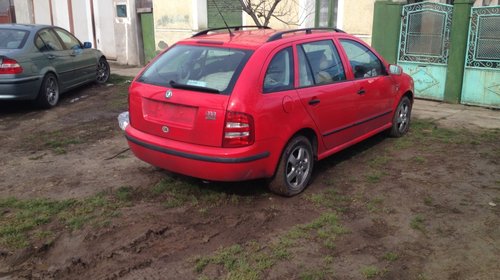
[168, 94]
[165, 129]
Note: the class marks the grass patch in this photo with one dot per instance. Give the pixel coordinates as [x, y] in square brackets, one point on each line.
[58, 141]
[23, 221]
[418, 160]
[177, 193]
[317, 274]
[374, 177]
[428, 201]
[249, 261]
[370, 272]
[374, 204]
[391, 256]
[379, 161]
[417, 223]
[330, 199]
[124, 193]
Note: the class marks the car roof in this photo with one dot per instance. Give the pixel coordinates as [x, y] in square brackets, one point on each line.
[255, 38]
[26, 27]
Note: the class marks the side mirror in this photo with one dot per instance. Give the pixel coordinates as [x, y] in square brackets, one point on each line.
[395, 69]
[87, 45]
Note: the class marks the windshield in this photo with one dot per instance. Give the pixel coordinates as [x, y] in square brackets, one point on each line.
[207, 69]
[12, 38]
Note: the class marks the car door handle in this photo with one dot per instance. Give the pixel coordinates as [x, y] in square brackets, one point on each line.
[314, 102]
[51, 56]
[361, 91]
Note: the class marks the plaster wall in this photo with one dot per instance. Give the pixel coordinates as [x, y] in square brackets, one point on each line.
[173, 22]
[126, 30]
[27, 7]
[358, 18]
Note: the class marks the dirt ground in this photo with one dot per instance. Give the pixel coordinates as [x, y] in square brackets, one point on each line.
[76, 204]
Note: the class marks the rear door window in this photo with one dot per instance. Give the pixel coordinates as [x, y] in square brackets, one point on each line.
[48, 41]
[209, 69]
[319, 63]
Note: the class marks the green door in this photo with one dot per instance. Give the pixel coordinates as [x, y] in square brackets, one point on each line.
[148, 36]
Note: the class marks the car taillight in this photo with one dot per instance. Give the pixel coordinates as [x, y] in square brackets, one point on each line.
[10, 66]
[238, 130]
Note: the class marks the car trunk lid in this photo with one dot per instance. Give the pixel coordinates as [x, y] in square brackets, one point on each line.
[178, 114]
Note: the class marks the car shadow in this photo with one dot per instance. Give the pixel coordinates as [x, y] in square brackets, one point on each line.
[23, 107]
[256, 188]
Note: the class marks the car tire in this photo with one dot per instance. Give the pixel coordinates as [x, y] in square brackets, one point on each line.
[103, 71]
[48, 95]
[294, 168]
[401, 119]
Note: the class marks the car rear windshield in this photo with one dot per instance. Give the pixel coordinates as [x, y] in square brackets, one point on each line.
[199, 68]
[12, 38]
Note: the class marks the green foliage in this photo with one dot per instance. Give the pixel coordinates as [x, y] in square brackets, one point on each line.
[417, 223]
[391, 256]
[370, 271]
[24, 220]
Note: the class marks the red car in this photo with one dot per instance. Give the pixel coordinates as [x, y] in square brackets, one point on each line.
[258, 103]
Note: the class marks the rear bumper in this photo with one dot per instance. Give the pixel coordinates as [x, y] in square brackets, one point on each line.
[209, 163]
[19, 88]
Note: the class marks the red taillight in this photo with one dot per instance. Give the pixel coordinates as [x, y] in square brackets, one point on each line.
[10, 66]
[238, 130]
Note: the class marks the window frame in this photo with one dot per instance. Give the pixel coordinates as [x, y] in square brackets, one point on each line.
[339, 56]
[382, 63]
[292, 74]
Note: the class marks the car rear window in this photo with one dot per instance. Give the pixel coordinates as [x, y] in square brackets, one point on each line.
[12, 38]
[199, 68]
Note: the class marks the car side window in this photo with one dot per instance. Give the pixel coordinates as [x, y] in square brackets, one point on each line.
[364, 63]
[319, 63]
[47, 41]
[69, 40]
[279, 74]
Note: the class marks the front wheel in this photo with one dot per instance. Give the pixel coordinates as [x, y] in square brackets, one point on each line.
[401, 119]
[103, 71]
[294, 168]
[48, 95]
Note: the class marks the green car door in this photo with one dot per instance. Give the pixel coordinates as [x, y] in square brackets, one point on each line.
[83, 61]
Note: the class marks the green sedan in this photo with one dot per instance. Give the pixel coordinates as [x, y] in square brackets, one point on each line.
[39, 62]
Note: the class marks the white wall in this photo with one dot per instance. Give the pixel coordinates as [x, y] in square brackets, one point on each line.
[26, 16]
[60, 13]
[41, 12]
[126, 29]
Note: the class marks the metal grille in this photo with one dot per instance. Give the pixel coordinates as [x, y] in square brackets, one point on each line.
[483, 49]
[425, 33]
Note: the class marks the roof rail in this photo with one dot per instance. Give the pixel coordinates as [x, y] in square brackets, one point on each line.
[236, 28]
[279, 35]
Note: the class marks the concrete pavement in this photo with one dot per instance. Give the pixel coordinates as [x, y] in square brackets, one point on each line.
[448, 115]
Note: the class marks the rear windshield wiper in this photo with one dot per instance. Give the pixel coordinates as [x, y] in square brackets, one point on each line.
[191, 87]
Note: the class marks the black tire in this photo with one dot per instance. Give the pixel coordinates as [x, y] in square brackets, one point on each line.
[48, 95]
[103, 71]
[401, 119]
[294, 168]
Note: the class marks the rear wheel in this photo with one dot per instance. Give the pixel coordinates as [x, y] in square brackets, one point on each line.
[401, 119]
[48, 96]
[103, 71]
[294, 168]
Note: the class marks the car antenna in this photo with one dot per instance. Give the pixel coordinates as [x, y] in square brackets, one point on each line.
[227, 26]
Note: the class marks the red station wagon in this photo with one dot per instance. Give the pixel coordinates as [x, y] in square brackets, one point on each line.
[259, 103]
